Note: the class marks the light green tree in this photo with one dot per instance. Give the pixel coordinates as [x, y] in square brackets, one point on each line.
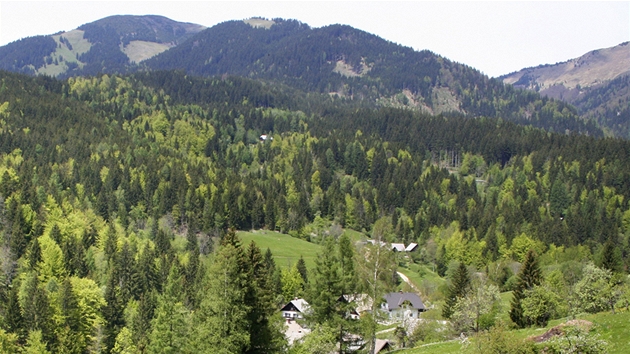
[321, 340]
[478, 307]
[376, 265]
[34, 344]
[598, 289]
[292, 283]
[540, 304]
[124, 343]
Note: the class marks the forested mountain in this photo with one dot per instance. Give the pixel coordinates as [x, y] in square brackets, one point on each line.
[126, 184]
[346, 62]
[112, 44]
[596, 83]
[336, 60]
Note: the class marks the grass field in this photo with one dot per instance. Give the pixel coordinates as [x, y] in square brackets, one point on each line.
[286, 249]
[613, 329]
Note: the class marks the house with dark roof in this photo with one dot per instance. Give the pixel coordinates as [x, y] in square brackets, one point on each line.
[295, 309]
[402, 305]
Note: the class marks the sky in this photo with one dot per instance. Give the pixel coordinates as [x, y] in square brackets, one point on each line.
[496, 37]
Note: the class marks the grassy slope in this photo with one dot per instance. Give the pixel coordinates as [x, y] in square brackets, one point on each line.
[286, 249]
[613, 329]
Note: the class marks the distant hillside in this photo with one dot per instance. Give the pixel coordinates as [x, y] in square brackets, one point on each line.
[352, 64]
[340, 61]
[596, 83]
[112, 44]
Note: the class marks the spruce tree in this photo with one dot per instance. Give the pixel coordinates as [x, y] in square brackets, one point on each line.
[170, 333]
[37, 313]
[301, 267]
[346, 265]
[610, 258]
[264, 334]
[325, 283]
[13, 320]
[460, 284]
[141, 323]
[221, 322]
[192, 270]
[113, 312]
[34, 254]
[529, 276]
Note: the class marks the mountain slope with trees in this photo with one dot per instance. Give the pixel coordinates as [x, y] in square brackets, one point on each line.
[596, 83]
[120, 196]
[350, 63]
[111, 45]
[335, 60]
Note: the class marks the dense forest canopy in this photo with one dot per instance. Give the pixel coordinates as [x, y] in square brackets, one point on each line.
[132, 184]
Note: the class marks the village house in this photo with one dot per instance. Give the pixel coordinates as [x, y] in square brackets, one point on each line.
[402, 305]
[294, 309]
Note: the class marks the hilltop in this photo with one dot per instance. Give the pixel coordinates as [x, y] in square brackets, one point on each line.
[112, 44]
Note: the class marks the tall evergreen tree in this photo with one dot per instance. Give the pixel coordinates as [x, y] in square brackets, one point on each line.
[460, 285]
[141, 323]
[192, 270]
[529, 276]
[221, 322]
[301, 267]
[264, 333]
[610, 257]
[170, 333]
[325, 284]
[37, 313]
[113, 312]
[273, 271]
[13, 320]
[347, 265]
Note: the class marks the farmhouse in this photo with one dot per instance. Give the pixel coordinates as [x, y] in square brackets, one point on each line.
[403, 305]
[294, 309]
[398, 247]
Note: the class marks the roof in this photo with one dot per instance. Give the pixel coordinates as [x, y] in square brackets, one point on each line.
[400, 247]
[411, 247]
[394, 300]
[381, 344]
[296, 304]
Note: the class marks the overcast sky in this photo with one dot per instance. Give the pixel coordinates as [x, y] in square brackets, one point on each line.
[494, 37]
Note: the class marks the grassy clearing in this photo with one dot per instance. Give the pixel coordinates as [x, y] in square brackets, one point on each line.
[613, 329]
[424, 279]
[355, 236]
[286, 249]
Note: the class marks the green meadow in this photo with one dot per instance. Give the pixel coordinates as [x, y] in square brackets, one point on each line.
[286, 249]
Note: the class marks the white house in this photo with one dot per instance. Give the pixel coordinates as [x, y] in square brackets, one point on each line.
[398, 247]
[294, 309]
[403, 305]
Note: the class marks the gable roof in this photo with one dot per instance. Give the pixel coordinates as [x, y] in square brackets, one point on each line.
[411, 247]
[400, 247]
[394, 300]
[381, 344]
[296, 304]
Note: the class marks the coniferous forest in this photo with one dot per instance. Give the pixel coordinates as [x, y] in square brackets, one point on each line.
[120, 197]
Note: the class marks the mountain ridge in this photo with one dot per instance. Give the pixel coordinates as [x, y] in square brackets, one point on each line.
[336, 60]
[596, 83]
